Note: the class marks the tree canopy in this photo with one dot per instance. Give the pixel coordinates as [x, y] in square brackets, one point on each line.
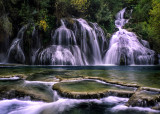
[46, 14]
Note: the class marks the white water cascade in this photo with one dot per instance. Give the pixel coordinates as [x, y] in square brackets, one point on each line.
[36, 45]
[125, 48]
[81, 45]
[15, 52]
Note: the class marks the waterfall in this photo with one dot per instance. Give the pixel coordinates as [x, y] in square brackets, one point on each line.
[145, 43]
[64, 49]
[64, 36]
[88, 33]
[125, 48]
[36, 45]
[81, 44]
[15, 53]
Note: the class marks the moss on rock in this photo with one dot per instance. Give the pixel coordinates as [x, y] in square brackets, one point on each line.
[145, 98]
[88, 89]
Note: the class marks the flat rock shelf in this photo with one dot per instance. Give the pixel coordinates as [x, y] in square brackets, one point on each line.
[94, 88]
[76, 89]
[89, 89]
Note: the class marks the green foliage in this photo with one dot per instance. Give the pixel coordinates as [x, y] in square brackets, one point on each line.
[154, 22]
[26, 14]
[5, 25]
[145, 21]
[103, 12]
[2, 8]
[141, 10]
[61, 8]
[155, 17]
[139, 21]
[80, 5]
[145, 18]
[14, 1]
[105, 18]
[51, 19]
[70, 8]
[34, 11]
[115, 5]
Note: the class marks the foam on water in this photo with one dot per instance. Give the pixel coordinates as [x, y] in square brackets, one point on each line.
[122, 107]
[40, 82]
[11, 78]
[15, 106]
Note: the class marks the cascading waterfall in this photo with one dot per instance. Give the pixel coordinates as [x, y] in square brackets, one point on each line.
[145, 44]
[125, 48]
[36, 45]
[77, 46]
[90, 48]
[15, 53]
[101, 38]
[84, 43]
[64, 50]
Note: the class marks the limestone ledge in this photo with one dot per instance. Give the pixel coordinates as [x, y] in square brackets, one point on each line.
[142, 96]
[91, 95]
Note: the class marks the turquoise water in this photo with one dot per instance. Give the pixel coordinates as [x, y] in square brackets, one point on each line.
[39, 98]
[142, 75]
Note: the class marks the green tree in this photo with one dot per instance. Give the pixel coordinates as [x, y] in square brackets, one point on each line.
[155, 17]
[80, 5]
[154, 22]
[5, 24]
[105, 18]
